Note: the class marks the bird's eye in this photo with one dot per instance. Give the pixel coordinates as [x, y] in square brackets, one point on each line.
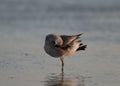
[53, 42]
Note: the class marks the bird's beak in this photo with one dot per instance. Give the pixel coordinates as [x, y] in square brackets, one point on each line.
[56, 41]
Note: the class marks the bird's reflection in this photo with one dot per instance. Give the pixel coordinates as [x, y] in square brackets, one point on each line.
[63, 80]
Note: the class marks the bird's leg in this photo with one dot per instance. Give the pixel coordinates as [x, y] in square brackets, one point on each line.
[62, 64]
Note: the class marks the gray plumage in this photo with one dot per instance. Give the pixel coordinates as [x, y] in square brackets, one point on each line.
[62, 45]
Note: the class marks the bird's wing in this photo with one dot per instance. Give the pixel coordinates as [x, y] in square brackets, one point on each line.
[69, 39]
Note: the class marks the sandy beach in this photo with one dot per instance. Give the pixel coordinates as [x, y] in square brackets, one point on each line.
[23, 61]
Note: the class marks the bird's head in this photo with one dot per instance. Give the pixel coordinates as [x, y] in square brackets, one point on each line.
[53, 40]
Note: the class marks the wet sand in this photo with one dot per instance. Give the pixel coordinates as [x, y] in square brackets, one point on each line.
[23, 27]
[23, 62]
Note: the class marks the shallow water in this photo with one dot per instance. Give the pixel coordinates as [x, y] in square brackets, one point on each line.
[24, 24]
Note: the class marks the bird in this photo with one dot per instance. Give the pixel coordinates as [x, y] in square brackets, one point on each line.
[59, 46]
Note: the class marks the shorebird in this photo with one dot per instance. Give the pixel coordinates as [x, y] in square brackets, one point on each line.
[59, 46]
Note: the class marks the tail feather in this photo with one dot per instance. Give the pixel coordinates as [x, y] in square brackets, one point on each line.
[83, 47]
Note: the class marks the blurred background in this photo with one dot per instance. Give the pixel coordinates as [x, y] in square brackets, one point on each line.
[25, 23]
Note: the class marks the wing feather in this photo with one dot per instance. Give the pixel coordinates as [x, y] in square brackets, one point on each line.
[69, 39]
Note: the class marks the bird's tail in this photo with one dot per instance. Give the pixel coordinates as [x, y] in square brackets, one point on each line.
[82, 47]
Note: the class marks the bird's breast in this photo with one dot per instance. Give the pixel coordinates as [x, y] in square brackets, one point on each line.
[54, 52]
